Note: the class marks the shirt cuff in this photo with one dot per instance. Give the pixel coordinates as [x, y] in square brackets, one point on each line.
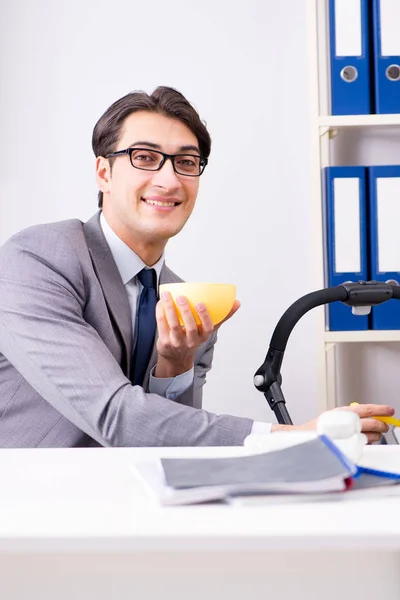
[170, 387]
[261, 428]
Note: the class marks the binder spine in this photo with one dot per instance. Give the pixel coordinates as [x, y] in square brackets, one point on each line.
[349, 33]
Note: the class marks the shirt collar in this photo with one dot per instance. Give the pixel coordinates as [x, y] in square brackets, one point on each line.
[129, 264]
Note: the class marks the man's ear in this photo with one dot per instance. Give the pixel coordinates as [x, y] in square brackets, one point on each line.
[103, 174]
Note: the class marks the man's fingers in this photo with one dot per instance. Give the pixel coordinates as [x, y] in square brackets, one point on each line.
[207, 326]
[190, 333]
[171, 316]
[369, 425]
[372, 410]
[190, 326]
[379, 410]
[162, 325]
[195, 333]
[373, 437]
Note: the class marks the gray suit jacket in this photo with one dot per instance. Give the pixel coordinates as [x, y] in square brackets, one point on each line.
[65, 348]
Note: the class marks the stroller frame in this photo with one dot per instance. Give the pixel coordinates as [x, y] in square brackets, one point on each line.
[360, 296]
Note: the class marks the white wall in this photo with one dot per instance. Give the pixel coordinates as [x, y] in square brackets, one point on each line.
[243, 65]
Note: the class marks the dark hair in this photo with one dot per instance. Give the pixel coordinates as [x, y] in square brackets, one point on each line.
[164, 100]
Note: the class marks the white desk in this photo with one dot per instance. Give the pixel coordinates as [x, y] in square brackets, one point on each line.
[75, 524]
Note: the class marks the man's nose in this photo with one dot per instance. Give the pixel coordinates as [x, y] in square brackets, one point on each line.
[166, 176]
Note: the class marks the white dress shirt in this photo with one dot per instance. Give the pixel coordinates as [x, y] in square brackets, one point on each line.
[129, 264]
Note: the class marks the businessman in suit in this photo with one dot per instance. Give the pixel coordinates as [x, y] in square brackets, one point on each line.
[89, 356]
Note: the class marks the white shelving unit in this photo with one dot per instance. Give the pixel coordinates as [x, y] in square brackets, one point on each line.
[323, 127]
[341, 121]
[336, 337]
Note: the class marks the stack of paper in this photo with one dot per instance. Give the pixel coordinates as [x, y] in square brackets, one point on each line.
[313, 467]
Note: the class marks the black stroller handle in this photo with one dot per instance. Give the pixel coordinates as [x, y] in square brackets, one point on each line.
[267, 378]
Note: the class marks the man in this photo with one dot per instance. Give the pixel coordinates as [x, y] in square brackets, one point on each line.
[80, 362]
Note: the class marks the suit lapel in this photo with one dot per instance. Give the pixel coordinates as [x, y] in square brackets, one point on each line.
[111, 283]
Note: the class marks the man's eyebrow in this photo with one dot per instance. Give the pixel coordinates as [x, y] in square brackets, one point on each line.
[144, 143]
[189, 148]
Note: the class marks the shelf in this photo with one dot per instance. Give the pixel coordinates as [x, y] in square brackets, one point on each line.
[339, 121]
[362, 336]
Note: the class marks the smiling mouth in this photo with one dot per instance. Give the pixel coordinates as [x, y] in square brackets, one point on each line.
[164, 204]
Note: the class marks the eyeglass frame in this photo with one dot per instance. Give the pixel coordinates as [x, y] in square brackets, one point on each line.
[165, 157]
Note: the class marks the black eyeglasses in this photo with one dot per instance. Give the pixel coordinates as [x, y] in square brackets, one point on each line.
[190, 165]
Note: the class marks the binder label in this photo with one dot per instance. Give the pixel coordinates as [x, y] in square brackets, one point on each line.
[348, 28]
[347, 237]
[388, 213]
[390, 19]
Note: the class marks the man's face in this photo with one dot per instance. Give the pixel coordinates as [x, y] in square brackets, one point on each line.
[149, 206]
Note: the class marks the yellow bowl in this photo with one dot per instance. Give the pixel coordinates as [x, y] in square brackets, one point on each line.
[217, 297]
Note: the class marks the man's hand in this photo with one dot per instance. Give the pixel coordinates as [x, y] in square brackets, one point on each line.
[372, 428]
[177, 345]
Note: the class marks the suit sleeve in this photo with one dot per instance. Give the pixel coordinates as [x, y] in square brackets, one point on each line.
[44, 335]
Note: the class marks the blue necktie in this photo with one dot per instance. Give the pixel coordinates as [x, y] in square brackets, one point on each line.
[146, 325]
